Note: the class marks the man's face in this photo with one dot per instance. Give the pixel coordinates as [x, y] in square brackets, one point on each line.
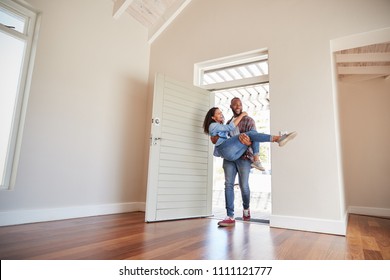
[236, 107]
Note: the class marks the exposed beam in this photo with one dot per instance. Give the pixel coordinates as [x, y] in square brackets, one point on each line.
[364, 70]
[359, 78]
[120, 7]
[167, 18]
[362, 57]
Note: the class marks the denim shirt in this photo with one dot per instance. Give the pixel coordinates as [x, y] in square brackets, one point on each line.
[222, 130]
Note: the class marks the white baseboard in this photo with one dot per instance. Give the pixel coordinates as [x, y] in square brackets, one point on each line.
[51, 214]
[338, 227]
[369, 211]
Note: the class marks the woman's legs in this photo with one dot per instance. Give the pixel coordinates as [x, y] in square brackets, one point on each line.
[231, 149]
[258, 137]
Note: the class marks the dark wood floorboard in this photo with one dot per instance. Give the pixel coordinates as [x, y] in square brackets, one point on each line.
[127, 236]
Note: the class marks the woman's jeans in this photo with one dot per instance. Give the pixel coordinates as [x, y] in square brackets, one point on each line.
[231, 168]
[233, 149]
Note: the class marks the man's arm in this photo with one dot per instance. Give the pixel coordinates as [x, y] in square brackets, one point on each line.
[244, 139]
[214, 139]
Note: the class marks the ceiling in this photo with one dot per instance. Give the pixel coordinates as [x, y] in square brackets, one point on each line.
[357, 64]
[155, 15]
[364, 63]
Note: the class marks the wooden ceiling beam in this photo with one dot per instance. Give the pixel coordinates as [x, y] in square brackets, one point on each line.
[363, 70]
[120, 6]
[359, 78]
[362, 57]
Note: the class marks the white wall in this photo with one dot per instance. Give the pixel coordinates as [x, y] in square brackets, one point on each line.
[365, 123]
[306, 186]
[82, 150]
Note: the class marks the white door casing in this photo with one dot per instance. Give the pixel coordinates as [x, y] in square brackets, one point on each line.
[180, 157]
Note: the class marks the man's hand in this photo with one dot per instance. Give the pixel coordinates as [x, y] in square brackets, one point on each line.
[244, 139]
[214, 139]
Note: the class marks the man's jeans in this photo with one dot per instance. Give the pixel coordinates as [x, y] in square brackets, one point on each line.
[231, 168]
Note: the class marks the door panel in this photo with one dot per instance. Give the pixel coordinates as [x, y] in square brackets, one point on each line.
[180, 158]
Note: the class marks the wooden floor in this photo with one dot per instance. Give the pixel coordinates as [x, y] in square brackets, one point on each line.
[127, 236]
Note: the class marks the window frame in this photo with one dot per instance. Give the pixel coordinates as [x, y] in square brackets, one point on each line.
[243, 58]
[30, 37]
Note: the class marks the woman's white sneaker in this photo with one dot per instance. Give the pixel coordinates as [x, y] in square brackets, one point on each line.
[286, 138]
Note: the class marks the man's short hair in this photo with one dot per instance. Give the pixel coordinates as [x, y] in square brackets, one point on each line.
[234, 98]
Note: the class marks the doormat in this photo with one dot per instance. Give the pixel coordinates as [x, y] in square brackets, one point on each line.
[262, 221]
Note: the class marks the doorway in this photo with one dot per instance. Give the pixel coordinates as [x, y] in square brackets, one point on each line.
[245, 76]
[361, 73]
[255, 100]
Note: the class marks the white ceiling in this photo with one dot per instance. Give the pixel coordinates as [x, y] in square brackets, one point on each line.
[355, 64]
[155, 15]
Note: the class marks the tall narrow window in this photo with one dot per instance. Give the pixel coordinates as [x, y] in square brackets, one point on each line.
[17, 25]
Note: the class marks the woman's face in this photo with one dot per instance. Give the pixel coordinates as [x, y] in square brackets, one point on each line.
[218, 116]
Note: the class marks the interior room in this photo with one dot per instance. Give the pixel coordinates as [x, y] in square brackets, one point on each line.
[83, 183]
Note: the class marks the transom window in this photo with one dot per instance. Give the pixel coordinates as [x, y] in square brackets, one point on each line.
[236, 72]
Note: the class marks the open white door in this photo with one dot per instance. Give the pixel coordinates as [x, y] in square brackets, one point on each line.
[180, 157]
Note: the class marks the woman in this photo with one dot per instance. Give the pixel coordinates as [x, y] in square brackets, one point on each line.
[231, 148]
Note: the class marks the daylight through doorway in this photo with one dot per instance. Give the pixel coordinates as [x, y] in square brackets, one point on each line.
[255, 100]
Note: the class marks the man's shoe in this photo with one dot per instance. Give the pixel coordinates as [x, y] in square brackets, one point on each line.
[227, 222]
[257, 165]
[286, 137]
[246, 215]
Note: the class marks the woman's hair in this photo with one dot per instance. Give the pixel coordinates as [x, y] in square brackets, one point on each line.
[208, 120]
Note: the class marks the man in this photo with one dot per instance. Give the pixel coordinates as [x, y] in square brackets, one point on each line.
[242, 166]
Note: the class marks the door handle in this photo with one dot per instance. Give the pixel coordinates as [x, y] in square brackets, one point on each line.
[154, 142]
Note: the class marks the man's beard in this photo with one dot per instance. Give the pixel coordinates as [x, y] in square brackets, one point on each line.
[237, 114]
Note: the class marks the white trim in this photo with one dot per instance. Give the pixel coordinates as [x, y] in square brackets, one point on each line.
[26, 95]
[120, 6]
[361, 39]
[336, 120]
[338, 227]
[369, 211]
[51, 214]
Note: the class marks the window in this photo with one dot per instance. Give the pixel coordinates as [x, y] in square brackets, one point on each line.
[252, 69]
[17, 26]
